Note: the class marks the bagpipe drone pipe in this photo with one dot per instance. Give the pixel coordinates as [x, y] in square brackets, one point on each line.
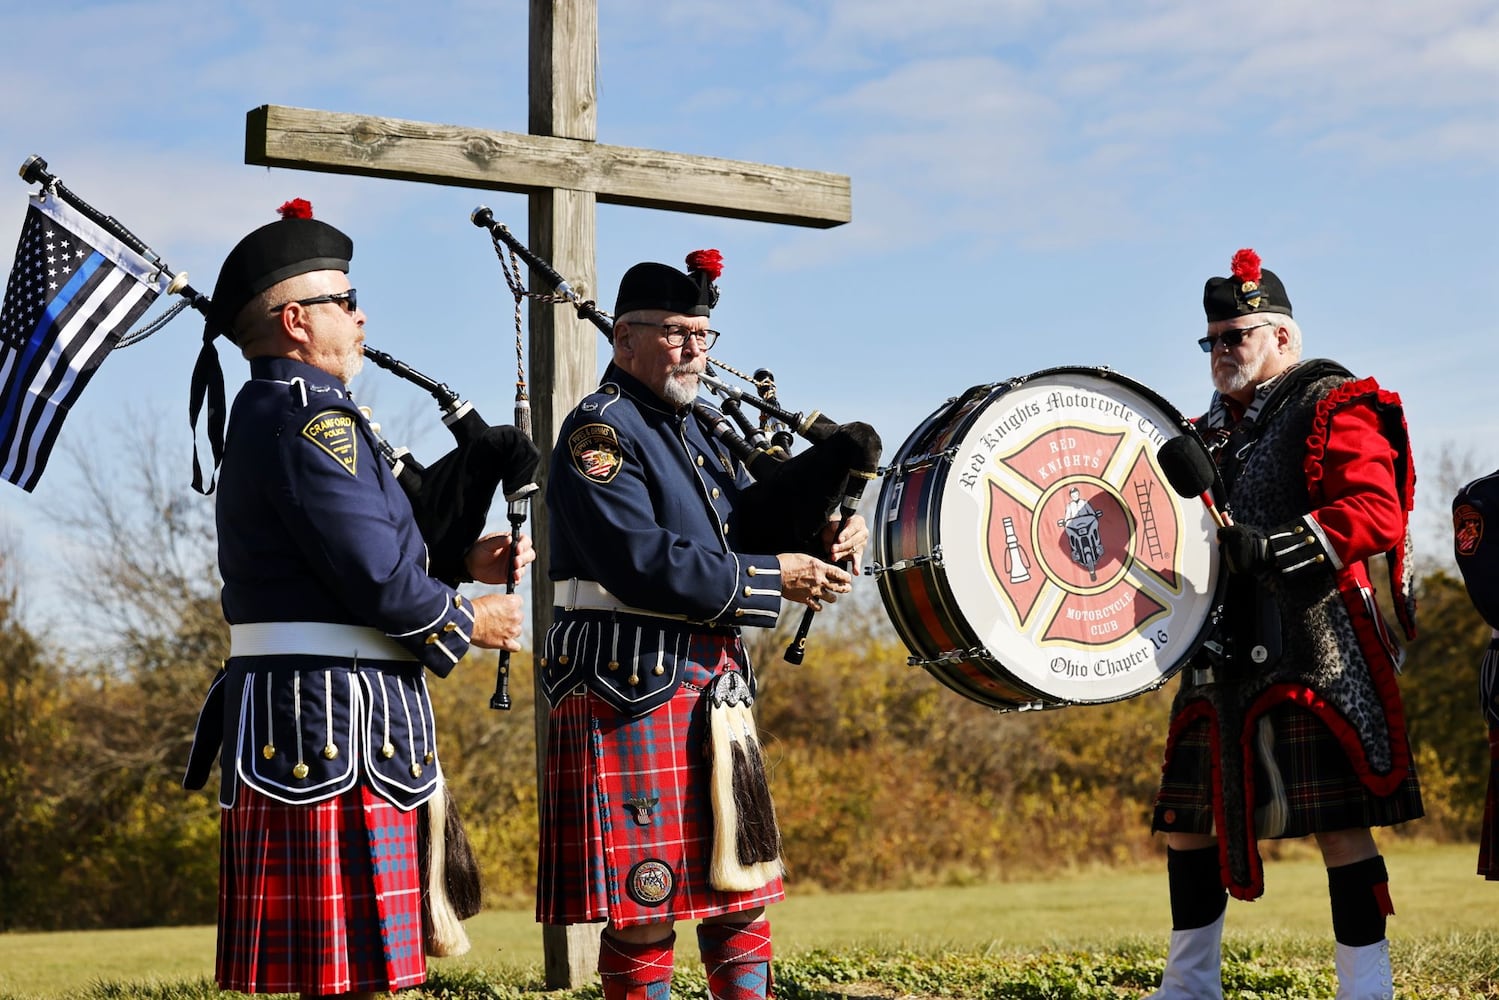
[794, 496]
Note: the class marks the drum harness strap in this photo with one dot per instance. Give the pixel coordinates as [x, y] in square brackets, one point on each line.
[1232, 448]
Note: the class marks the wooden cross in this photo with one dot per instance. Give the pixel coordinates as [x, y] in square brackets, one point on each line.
[565, 173]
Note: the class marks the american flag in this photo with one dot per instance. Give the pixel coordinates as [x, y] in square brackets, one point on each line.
[74, 290]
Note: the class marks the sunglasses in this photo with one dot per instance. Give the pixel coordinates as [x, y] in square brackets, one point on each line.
[349, 300]
[1229, 338]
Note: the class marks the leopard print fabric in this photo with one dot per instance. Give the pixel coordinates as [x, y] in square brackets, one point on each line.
[1320, 646]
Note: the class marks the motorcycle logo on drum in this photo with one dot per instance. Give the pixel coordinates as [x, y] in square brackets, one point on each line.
[1105, 550]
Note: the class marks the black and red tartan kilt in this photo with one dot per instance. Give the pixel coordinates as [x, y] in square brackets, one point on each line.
[626, 817]
[1322, 790]
[1488, 839]
[319, 899]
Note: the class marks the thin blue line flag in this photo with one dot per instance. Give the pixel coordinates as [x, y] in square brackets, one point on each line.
[74, 291]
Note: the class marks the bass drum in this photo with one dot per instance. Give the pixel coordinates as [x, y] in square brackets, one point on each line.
[1030, 551]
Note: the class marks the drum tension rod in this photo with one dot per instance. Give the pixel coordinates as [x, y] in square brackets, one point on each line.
[919, 462]
[953, 656]
[875, 569]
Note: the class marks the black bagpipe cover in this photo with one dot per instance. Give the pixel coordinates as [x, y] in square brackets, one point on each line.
[788, 510]
[1476, 549]
[453, 501]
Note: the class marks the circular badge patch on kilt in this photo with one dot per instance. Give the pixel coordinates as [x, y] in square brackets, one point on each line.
[651, 882]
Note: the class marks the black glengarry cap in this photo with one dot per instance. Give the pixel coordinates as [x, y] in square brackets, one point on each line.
[1249, 289]
[661, 286]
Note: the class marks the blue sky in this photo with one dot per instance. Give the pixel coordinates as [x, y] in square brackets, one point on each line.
[1034, 184]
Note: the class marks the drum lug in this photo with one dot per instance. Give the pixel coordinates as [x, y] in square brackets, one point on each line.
[952, 656]
[934, 559]
[919, 462]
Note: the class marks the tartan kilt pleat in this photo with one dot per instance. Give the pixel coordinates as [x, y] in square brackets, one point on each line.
[625, 795]
[1322, 790]
[320, 899]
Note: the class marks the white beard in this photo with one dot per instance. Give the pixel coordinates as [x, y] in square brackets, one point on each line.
[677, 390]
[1232, 381]
[352, 367]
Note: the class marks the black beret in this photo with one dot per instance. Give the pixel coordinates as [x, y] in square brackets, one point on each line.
[296, 244]
[1250, 289]
[661, 286]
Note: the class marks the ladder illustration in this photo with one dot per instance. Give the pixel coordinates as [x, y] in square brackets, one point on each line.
[1147, 518]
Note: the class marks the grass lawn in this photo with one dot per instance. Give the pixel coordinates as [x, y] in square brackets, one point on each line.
[1441, 905]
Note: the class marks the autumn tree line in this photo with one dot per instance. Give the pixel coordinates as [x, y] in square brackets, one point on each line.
[883, 778]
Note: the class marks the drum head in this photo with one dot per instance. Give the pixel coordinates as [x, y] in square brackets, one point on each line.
[1064, 552]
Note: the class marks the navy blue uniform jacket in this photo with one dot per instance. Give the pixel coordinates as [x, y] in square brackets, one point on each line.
[642, 500]
[313, 527]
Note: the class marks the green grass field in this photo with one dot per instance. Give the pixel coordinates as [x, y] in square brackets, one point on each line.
[1093, 934]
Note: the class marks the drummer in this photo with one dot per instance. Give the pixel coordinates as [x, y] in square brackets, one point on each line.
[1318, 477]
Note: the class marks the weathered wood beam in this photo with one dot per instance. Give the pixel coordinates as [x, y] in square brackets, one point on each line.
[337, 142]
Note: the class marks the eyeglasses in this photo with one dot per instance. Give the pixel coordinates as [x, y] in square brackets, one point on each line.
[1229, 338]
[349, 300]
[676, 335]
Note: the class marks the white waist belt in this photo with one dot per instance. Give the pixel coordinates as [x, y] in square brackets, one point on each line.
[314, 639]
[585, 595]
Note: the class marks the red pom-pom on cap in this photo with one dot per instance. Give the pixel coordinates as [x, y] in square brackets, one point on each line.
[710, 262]
[1246, 265]
[297, 208]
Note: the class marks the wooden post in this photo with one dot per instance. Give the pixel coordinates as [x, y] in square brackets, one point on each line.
[563, 351]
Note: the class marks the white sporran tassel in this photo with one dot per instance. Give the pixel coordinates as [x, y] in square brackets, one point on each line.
[746, 839]
[445, 937]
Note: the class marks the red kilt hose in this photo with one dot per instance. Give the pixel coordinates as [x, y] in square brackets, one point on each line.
[608, 776]
[319, 899]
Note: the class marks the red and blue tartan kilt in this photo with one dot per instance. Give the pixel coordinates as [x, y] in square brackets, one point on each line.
[1488, 839]
[627, 797]
[1323, 792]
[319, 899]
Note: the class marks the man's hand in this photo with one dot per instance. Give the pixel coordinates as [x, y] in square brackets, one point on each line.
[808, 580]
[498, 619]
[1246, 549]
[848, 543]
[488, 559]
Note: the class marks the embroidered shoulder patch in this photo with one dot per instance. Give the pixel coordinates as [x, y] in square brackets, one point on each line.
[595, 451]
[1467, 529]
[333, 431]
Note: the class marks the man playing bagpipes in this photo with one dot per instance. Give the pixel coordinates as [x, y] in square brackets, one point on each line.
[1290, 723]
[656, 807]
[322, 712]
